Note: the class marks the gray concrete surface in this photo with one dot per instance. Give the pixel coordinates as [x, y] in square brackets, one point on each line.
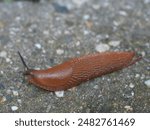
[50, 32]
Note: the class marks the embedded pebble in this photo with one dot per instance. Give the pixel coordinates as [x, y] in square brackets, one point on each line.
[146, 1]
[128, 108]
[8, 91]
[38, 46]
[143, 53]
[102, 47]
[15, 93]
[86, 32]
[123, 13]
[8, 60]
[46, 32]
[19, 101]
[79, 2]
[86, 17]
[43, 51]
[2, 99]
[131, 85]
[77, 43]
[14, 108]
[96, 87]
[59, 93]
[48, 108]
[2, 86]
[59, 51]
[114, 43]
[147, 83]
[3, 54]
[142, 76]
[137, 75]
[115, 23]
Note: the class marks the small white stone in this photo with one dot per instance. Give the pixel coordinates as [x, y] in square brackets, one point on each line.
[142, 76]
[146, 1]
[15, 93]
[79, 2]
[96, 87]
[59, 51]
[66, 32]
[78, 52]
[37, 68]
[37, 45]
[102, 47]
[131, 85]
[43, 51]
[8, 60]
[3, 54]
[16, 68]
[86, 17]
[96, 6]
[86, 32]
[132, 94]
[123, 13]
[14, 108]
[19, 101]
[114, 43]
[2, 72]
[115, 23]
[137, 75]
[8, 91]
[143, 53]
[46, 32]
[77, 43]
[59, 93]
[128, 108]
[147, 83]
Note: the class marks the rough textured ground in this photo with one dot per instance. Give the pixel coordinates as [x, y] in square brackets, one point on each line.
[48, 33]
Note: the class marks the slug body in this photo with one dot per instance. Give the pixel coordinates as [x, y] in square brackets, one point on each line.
[77, 70]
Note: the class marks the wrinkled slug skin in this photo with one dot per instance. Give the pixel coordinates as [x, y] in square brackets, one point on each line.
[78, 70]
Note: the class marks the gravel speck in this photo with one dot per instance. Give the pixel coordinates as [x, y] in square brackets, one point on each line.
[123, 13]
[14, 108]
[128, 108]
[46, 32]
[137, 75]
[131, 85]
[15, 93]
[8, 91]
[102, 47]
[86, 32]
[79, 2]
[147, 83]
[86, 17]
[59, 51]
[115, 23]
[59, 93]
[38, 46]
[114, 43]
[77, 43]
[8, 60]
[2, 99]
[96, 87]
[19, 101]
[3, 54]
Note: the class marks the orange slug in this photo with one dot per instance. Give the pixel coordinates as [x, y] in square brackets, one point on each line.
[77, 70]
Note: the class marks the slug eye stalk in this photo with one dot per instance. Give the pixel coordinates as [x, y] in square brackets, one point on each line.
[23, 62]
